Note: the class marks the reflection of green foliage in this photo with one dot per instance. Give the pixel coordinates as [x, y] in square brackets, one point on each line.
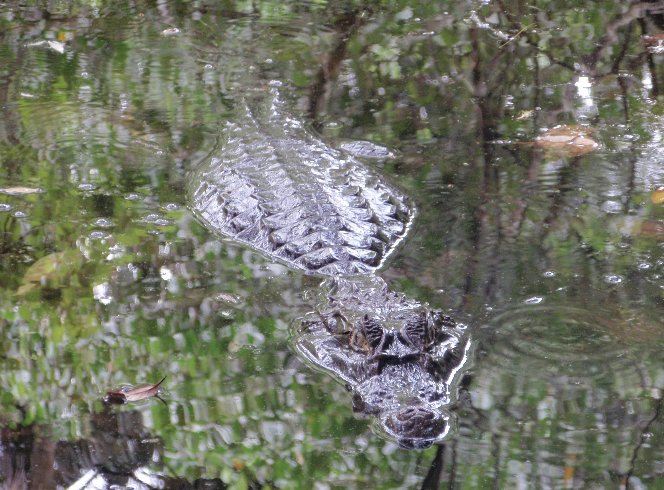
[149, 107]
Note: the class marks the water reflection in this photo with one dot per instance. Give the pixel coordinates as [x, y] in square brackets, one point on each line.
[566, 340]
[117, 453]
[566, 388]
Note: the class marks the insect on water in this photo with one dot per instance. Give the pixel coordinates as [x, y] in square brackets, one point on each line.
[134, 394]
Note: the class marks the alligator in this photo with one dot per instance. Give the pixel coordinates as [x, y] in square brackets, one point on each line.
[274, 185]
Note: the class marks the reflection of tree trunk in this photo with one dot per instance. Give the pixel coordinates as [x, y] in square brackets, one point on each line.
[623, 49]
[567, 175]
[453, 466]
[433, 480]
[521, 205]
[495, 451]
[10, 121]
[629, 191]
[642, 439]
[26, 459]
[651, 63]
[485, 130]
[345, 26]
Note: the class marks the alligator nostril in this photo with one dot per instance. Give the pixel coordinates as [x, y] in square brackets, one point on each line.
[416, 422]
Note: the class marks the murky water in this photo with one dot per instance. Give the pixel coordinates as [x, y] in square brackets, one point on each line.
[530, 138]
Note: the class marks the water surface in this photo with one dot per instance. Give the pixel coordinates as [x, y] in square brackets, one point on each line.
[551, 253]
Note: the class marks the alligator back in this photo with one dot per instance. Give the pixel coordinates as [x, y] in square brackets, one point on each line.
[273, 184]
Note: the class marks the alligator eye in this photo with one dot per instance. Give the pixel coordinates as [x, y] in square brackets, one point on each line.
[419, 332]
[443, 321]
[372, 330]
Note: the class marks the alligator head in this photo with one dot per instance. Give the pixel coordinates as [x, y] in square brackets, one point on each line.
[397, 357]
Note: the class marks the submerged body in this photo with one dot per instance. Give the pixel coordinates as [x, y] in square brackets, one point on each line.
[275, 186]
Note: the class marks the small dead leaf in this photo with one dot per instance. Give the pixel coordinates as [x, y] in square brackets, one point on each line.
[567, 141]
[133, 394]
[657, 196]
[237, 464]
[20, 191]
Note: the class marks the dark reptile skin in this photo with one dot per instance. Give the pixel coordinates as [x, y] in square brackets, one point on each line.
[274, 185]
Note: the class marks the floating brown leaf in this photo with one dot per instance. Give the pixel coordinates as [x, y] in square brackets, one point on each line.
[567, 141]
[133, 394]
[657, 196]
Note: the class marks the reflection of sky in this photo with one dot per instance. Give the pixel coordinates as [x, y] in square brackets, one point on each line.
[646, 80]
[588, 107]
[584, 90]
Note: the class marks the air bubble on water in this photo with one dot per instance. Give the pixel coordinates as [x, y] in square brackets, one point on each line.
[157, 219]
[4, 207]
[549, 274]
[86, 187]
[103, 223]
[613, 279]
[644, 266]
[612, 207]
[534, 300]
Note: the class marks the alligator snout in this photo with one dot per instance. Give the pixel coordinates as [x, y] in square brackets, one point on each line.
[416, 427]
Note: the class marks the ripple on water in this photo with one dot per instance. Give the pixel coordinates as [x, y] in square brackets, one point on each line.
[613, 279]
[569, 340]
